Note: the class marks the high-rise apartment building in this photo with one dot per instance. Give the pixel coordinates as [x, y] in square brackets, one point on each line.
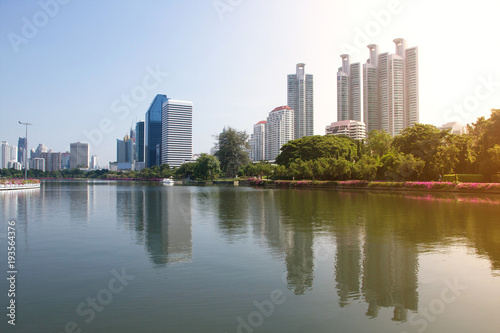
[258, 141]
[37, 163]
[348, 90]
[152, 132]
[176, 132]
[79, 155]
[52, 160]
[139, 141]
[279, 130]
[8, 154]
[300, 99]
[390, 89]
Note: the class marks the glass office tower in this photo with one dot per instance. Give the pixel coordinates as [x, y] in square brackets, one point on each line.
[152, 132]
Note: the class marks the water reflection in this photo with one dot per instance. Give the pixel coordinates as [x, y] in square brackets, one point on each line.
[162, 219]
[378, 237]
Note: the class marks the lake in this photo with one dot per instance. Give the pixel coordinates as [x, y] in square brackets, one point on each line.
[106, 256]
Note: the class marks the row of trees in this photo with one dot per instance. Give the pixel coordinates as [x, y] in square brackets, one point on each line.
[421, 152]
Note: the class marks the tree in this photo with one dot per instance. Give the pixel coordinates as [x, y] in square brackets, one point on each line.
[366, 168]
[485, 134]
[206, 167]
[379, 143]
[422, 141]
[397, 166]
[315, 147]
[185, 170]
[232, 150]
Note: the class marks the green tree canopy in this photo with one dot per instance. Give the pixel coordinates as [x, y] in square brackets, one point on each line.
[485, 134]
[422, 141]
[314, 147]
[206, 167]
[232, 150]
[379, 143]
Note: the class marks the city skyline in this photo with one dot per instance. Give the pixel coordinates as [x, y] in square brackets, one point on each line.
[240, 78]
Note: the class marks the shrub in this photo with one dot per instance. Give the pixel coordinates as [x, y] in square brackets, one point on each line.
[467, 178]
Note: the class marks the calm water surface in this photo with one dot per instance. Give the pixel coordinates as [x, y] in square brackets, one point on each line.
[137, 257]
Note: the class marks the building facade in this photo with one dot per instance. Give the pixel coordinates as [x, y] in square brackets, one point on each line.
[94, 162]
[125, 150]
[301, 100]
[8, 154]
[79, 155]
[279, 130]
[139, 141]
[351, 128]
[391, 89]
[258, 141]
[348, 90]
[152, 131]
[21, 151]
[176, 132]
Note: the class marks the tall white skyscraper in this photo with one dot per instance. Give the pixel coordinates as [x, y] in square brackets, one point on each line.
[301, 100]
[371, 114]
[348, 90]
[390, 89]
[279, 130]
[176, 132]
[258, 141]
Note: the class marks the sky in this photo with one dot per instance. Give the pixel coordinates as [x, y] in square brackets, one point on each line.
[84, 70]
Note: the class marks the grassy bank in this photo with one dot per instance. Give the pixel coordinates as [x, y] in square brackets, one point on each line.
[382, 185]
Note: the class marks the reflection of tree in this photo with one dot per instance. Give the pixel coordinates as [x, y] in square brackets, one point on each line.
[233, 210]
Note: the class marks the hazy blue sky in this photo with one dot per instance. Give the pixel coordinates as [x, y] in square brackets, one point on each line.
[70, 71]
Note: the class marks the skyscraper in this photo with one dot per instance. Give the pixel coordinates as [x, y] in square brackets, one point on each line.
[139, 141]
[348, 90]
[300, 99]
[279, 130]
[125, 150]
[79, 155]
[21, 146]
[94, 162]
[176, 132]
[152, 131]
[258, 141]
[390, 89]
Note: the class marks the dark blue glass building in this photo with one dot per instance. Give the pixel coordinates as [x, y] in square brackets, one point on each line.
[139, 141]
[152, 132]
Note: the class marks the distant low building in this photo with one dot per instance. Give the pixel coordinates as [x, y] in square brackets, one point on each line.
[37, 163]
[351, 128]
[454, 127]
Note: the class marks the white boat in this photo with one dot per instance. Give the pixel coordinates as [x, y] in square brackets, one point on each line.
[168, 181]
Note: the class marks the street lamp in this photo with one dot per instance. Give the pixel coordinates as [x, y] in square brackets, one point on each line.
[26, 151]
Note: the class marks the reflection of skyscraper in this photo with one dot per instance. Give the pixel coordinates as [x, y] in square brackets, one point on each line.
[347, 263]
[390, 275]
[168, 222]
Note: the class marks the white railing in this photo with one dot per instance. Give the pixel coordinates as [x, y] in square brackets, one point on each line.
[18, 186]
